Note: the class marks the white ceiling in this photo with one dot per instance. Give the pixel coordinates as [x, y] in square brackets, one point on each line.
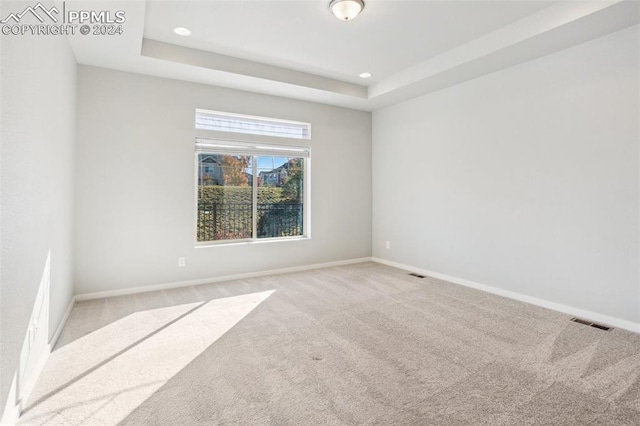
[388, 37]
[297, 49]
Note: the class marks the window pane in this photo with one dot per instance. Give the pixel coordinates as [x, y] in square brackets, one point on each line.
[280, 196]
[238, 123]
[225, 198]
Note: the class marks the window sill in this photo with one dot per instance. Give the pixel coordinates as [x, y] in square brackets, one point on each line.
[210, 244]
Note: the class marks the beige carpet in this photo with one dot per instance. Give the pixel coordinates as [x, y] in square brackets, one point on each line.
[361, 344]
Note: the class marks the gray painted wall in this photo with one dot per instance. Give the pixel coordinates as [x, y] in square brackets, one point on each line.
[525, 180]
[38, 86]
[135, 182]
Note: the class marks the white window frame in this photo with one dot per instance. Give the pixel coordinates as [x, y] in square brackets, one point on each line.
[254, 149]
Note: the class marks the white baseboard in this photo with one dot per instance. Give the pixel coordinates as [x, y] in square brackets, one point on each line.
[29, 382]
[570, 310]
[171, 285]
[56, 334]
[12, 410]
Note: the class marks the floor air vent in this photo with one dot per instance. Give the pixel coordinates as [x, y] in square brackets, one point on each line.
[591, 324]
[413, 274]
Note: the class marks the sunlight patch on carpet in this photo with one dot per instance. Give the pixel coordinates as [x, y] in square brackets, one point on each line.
[124, 363]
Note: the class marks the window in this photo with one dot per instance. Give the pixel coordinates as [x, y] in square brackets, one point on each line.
[250, 191]
[247, 124]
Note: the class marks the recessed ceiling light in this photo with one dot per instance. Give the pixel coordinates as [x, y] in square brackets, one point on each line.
[365, 75]
[182, 31]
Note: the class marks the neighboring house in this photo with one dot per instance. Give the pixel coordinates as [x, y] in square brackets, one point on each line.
[210, 170]
[277, 176]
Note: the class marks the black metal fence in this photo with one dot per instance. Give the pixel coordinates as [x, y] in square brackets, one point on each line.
[222, 221]
[279, 220]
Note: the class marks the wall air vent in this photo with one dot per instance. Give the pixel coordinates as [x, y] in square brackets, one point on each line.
[592, 324]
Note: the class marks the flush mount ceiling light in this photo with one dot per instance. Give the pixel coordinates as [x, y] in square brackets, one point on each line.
[182, 31]
[365, 75]
[346, 10]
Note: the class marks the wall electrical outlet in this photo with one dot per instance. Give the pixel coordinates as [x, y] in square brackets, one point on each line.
[182, 261]
[388, 244]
